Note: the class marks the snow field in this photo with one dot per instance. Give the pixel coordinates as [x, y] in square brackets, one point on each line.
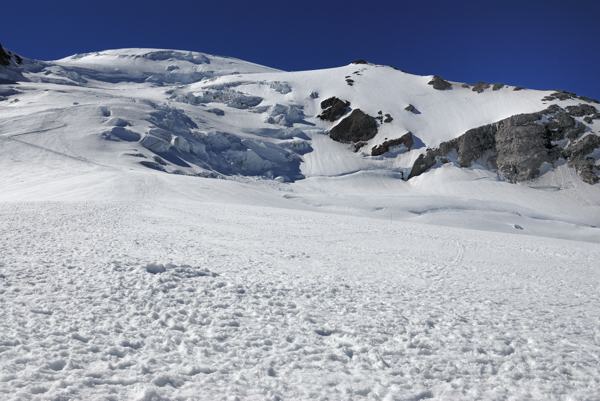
[121, 282]
[317, 306]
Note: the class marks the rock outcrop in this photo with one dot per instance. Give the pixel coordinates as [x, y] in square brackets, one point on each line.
[406, 140]
[480, 87]
[412, 109]
[518, 146]
[564, 95]
[333, 108]
[357, 127]
[439, 83]
[581, 110]
[5, 57]
[10, 69]
[578, 156]
[590, 119]
[384, 118]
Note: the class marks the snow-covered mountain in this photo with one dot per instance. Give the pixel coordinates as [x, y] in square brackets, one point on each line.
[181, 226]
[360, 126]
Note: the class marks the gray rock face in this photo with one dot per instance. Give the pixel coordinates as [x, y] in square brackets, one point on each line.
[469, 147]
[583, 147]
[564, 126]
[518, 146]
[333, 109]
[564, 95]
[474, 143]
[424, 162]
[406, 140]
[4, 56]
[480, 87]
[580, 159]
[10, 71]
[357, 127]
[590, 119]
[581, 110]
[560, 95]
[587, 170]
[440, 83]
[521, 149]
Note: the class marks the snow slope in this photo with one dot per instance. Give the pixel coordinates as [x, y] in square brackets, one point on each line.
[306, 270]
[259, 300]
[154, 65]
[197, 114]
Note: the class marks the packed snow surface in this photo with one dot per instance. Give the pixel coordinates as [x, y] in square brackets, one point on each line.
[306, 271]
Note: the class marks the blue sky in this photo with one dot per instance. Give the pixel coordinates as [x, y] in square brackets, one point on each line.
[540, 44]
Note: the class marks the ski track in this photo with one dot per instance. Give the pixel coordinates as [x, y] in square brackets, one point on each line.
[271, 304]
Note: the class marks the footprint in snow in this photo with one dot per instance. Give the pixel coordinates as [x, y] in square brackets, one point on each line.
[57, 365]
[324, 332]
[155, 268]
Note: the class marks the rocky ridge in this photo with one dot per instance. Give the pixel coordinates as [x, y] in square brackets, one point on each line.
[519, 147]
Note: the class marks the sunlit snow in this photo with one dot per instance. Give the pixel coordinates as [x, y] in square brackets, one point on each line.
[179, 226]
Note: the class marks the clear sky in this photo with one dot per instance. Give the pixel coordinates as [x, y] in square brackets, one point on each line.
[551, 44]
